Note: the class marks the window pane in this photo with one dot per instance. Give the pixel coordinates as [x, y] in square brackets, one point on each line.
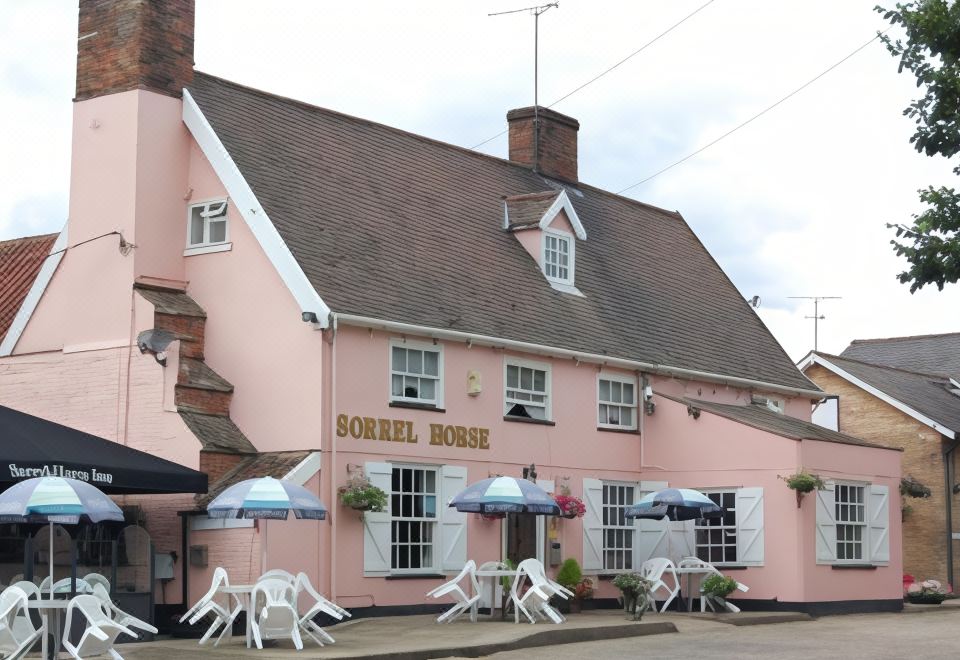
[415, 361]
[428, 389]
[218, 231]
[430, 363]
[540, 380]
[196, 228]
[603, 419]
[513, 378]
[396, 388]
[628, 393]
[626, 416]
[526, 379]
[411, 387]
[604, 390]
[399, 359]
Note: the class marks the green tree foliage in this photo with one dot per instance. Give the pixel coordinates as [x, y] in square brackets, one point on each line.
[931, 52]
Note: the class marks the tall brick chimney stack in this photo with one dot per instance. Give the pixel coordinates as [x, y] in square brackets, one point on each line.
[134, 44]
[552, 152]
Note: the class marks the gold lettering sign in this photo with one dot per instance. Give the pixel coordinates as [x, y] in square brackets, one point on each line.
[398, 430]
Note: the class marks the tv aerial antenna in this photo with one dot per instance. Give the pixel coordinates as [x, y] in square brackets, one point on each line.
[535, 12]
[817, 316]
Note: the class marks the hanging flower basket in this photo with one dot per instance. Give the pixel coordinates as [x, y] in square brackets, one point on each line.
[570, 507]
[803, 482]
[359, 494]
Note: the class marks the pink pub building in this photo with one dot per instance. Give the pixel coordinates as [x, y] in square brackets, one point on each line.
[251, 285]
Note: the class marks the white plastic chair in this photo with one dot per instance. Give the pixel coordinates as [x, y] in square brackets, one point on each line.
[696, 562]
[321, 604]
[463, 601]
[93, 579]
[278, 618]
[64, 585]
[208, 605]
[654, 570]
[23, 623]
[15, 638]
[119, 616]
[278, 574]
[535, 601]
[99, 635]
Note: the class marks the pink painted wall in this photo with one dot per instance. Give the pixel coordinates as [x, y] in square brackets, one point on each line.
[255, 337]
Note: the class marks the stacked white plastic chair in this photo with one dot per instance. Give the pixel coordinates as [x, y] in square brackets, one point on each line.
[101, 631]
[93, 579]
[321, 604]
[278, 574]
[208, 605]
[655, 570]
[535, 601]
[278, 618]
[118, 615]
[23, 623]
[453, 589]
[710, 569]
[15, 638]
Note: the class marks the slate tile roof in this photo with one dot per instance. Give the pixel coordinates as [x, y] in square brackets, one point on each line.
[932, 354]
[524, 211]
[276, 464]
[171, 302]
[20, 261]
[217, 433]
[928, 394]
[394, 226]
[761, 417]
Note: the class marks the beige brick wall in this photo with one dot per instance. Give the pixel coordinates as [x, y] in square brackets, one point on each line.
[866, 416]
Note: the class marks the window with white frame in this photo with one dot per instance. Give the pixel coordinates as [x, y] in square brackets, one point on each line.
[716, 538]
[413, 519]
[207, 224]
[558, 257]
[618, 530]
[617, 401]
[416, 373]
[527, 392]
[850, 512]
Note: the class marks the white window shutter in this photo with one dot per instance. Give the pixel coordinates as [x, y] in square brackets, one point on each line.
[453, 524]
[826, 526]
[376, 526]
[682, 539]
[593, 525]
[750, 526]
[879, 524]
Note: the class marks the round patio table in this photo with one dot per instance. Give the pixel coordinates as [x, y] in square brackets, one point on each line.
[491, 576]
[243, 595]
[48, 607]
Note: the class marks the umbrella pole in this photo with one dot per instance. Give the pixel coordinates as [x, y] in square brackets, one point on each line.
[50, 553]
[263, 549]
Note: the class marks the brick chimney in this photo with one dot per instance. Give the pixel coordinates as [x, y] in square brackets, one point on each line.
[552, 150]
[134, 44]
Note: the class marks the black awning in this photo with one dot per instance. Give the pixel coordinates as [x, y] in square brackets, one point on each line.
[34, 447]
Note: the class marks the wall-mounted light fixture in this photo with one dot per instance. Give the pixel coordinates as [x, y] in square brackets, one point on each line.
[693, 411]
[309, 317]
[155, 342]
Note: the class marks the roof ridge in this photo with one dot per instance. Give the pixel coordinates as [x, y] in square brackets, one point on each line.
[877, 340]
[883, 366]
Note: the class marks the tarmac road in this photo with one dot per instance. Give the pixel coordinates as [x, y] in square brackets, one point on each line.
[874, 636]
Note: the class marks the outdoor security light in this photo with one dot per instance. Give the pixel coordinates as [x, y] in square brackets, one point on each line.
[309, 317]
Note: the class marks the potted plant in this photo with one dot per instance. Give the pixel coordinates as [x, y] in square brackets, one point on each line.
[635, 591]
[569, 576]
[716, 588]
[360, 494]
[928, 592]
[570, 506]
[803, 482]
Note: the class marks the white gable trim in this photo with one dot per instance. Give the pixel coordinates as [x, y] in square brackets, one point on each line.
[304, 470]
[253, 213]
[34, 295]
[562, 203]
[813, 358]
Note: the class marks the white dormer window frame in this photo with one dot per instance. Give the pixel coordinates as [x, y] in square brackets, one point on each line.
[552, 256]
[203, 232]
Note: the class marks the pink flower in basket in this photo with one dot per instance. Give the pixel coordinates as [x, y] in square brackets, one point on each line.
[570, 507]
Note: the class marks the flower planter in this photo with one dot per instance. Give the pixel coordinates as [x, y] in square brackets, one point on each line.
[926, 599]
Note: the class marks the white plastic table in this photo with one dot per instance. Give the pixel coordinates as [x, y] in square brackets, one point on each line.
[492, 576]
[243, 594]
[47, 607]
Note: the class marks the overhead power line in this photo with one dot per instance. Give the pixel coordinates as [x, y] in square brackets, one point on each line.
[756, 116]
[601, 75]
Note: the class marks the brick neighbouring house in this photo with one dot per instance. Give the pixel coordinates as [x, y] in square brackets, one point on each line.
[905, 392]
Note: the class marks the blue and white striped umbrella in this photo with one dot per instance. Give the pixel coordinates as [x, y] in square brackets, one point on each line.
[56, 500]
[266, 498]
[674, 504]
[505, 495]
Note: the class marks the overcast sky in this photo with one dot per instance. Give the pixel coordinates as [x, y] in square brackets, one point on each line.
[795, 204]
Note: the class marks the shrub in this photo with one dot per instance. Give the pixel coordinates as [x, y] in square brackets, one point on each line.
[719, 586]
[569, 574]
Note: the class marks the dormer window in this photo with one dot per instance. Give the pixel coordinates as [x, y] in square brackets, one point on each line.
[558, 257]
[548, 221]
[207, 228]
